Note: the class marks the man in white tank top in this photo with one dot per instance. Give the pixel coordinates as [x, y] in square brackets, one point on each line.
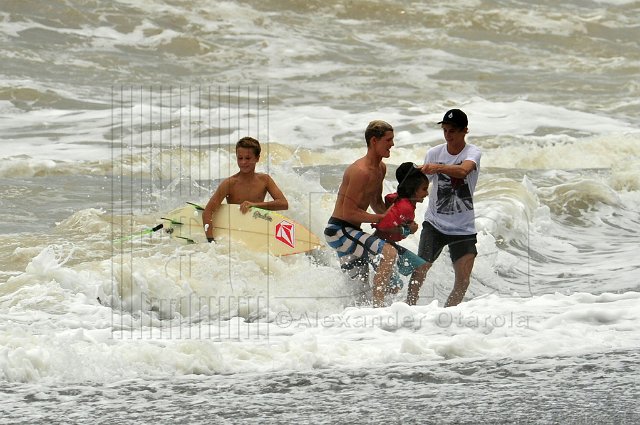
[453, 169]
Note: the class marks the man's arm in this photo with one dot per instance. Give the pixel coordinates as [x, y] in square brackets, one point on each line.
[377, 203]
[459, 171]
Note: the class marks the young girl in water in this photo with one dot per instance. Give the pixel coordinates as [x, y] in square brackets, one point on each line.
[413, 187]
[398, 222]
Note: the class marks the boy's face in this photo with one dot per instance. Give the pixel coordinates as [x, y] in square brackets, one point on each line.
[421, 192]
[453, 134]
[247, 160]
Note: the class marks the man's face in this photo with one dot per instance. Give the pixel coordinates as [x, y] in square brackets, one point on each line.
[383, 144]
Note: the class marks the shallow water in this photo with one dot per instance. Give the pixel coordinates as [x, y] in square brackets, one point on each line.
[579, 390]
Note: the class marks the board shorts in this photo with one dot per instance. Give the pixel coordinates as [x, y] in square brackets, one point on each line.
[357, 249]
[432, 241]
[353, 246]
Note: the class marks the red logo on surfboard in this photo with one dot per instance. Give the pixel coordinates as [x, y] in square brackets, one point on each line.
[285, 233]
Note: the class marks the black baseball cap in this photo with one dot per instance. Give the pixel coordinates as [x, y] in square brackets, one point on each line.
[455, 117]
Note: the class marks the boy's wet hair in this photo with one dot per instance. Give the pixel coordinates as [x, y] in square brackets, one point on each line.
[409, 179]
[249, 143]
[376, 128]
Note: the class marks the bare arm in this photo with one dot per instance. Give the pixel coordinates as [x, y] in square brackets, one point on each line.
[376, 201]
[212, 206]
[459, 171]
[279, 200]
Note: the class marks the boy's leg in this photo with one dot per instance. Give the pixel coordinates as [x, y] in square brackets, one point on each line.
[463, 254]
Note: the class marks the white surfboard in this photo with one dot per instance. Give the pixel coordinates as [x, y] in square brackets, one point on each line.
[258, 230]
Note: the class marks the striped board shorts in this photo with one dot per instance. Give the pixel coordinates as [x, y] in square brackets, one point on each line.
[353, 246]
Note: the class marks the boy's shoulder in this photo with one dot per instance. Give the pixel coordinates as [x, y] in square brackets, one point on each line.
[263, 178]
[256, 178]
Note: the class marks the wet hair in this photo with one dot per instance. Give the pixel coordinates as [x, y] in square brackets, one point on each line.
[376, 128]
[409, 179]
[249, 143]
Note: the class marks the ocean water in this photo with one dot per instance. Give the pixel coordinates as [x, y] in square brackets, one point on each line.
[115, 112]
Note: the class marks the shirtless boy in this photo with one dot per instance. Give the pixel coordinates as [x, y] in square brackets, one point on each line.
[246, 188]
[360, 189]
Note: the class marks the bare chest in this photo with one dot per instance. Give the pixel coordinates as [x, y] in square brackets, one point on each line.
[254, 190]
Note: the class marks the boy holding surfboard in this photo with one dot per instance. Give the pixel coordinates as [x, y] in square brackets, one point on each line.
[246, 188]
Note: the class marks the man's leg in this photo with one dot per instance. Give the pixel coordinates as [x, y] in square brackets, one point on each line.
[415, 283]
[383, 273]
[462, 269]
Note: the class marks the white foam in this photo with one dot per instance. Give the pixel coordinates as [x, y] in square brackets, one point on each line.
[85, 343]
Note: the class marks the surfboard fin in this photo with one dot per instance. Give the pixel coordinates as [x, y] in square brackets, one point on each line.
[171, 221]
[142, 233]
[189, 240]
[196, 206]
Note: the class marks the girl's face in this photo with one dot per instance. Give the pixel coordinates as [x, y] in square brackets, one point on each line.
[247, 160]
[421, 192]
